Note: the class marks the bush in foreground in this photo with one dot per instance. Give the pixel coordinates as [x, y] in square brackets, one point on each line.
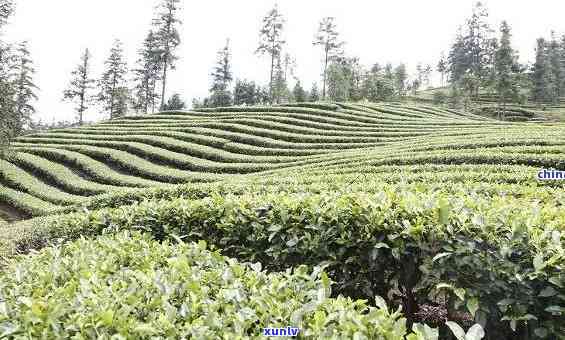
[129, 286]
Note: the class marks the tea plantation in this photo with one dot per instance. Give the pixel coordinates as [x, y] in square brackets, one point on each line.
[348, 221]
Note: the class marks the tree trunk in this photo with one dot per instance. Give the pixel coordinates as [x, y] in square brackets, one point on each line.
[164, 84]
[271, 78]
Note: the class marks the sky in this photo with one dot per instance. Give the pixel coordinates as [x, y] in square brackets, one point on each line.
[408, 31]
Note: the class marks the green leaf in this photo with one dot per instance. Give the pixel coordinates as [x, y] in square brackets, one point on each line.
[541, 332]
[440, 255]
[476, 332]
[456, 330]
[381, 303]
[539, 263]
[473, 306]
[555, 309]
[548, 291]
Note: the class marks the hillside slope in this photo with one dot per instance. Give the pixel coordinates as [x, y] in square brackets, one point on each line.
[64, 168]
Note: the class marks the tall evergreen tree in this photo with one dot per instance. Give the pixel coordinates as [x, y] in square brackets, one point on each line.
[555, 52]
[146, 75]
[222, 78]
[6, 10]
[280, 92]
[80, 86]
[401, 78]
[168, 38]
[299, 93]
[314, 93]
[112, 82]
[328, 37]
[271, 42]
[442, 68]
[24, 88]
[245, 92]
[507, 86]
[541, 77]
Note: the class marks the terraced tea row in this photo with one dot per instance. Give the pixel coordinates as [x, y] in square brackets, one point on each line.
[391, 142]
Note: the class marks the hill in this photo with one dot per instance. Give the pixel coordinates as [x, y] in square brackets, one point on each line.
[439, 211]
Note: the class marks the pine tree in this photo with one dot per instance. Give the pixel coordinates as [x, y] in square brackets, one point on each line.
[442, 68]
[401, 77]
[245, 92]
[80, 86]
[314, 93]
[175, 103]
[7, 97]
[328, 37]
[6, 10]
[146, 75]
[542, 91]
[271, 42]
[24, 88]
[222, 78]
[556, 76]
[111, 83]
[506, 81]
[168, 38]
[280, 90]
[299, 93]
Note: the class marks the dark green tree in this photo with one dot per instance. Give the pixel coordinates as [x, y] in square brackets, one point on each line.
[271, 42]
[541, 75]
[280, 92]
[442, 68]
[6, 10]
[112, 82]
[299, 92]
[245, 93]
[222, 78]
[168, 38]
[314, 93]
[401, 78]
[556, 55]
[146, 75]
[24, 88]
[328, 37]
[80, 86]
[507, 81]
[174, 103]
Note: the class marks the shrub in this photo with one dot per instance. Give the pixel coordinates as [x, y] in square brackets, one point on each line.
[142, 289]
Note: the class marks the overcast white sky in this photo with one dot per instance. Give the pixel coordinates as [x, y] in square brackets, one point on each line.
[409, 31]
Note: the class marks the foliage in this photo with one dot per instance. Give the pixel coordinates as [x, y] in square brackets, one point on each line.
[174, 103]
[113, 94]
[328, 38]
[167, 39]
[80, 86]
[271, 42]
[245, 92]
[147, 75]
[221, 79]
[177, 286]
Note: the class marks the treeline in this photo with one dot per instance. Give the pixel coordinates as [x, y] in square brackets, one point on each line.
[142, 88]
[17, 90]
[343, 77]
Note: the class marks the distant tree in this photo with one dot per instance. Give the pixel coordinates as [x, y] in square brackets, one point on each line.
[338, 82]
[379, 83]
[112, 82]
[264, 95]
[299, 92]
[147, 74]
[507, 82]
[280, 92]
[24, 88]
[222, 78]
[6, 10]
[174, 103]
[80, 86]
[401, 77]
[245, 92]
[288, 65]
[556, 55]
[271, 42]
[167, 37]
[328, 37]
[314, 93]
[427, 74]
[442, 68]
[541, 77]
[471, 55]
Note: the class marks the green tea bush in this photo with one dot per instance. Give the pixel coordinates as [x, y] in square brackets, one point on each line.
[497, 259]
[143, 289]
